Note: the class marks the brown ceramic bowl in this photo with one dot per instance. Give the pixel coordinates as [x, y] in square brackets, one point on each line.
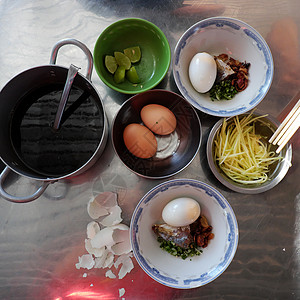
[175, 151]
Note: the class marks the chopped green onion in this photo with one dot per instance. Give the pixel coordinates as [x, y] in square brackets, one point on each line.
[177, 251]
[222, 90]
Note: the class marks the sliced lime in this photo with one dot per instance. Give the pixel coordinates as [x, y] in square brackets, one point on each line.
[119, 75]
[132, 75]
[122, 60]
[134, 53]
[111, 64]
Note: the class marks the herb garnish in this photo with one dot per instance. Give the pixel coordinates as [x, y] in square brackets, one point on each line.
[174, 250]
[222, 90]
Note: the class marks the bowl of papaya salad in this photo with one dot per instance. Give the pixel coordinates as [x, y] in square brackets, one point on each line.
[240, 156]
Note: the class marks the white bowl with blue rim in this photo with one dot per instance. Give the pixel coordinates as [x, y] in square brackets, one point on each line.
[174, 271]
[240, 41]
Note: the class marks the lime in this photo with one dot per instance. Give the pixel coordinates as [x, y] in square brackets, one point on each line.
[111, 64]
[119, 75]
[132, 75]
[134, 53]
[122, 60]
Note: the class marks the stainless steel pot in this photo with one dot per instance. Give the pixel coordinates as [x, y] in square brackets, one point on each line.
[13, 100]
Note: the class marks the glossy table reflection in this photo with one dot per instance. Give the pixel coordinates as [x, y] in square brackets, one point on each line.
[40, 241]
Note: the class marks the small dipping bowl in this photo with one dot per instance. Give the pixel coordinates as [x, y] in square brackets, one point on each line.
[265, 127]
[155, 53]
[175, 151]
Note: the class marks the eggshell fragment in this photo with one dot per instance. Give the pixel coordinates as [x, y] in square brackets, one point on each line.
[126, 267]
[139, 140]
[110, 274]
[100, 205]
[92, 229]
[97, 252]
[159, 119]
[109, 261]
[103, 238]
[103, 244]
[121, 292]
[122, 241]
[113, 218]
[86, 261]
[122, 258]
[99, 261]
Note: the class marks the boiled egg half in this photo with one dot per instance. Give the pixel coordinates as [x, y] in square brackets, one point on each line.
[181, 212]
[202, 72]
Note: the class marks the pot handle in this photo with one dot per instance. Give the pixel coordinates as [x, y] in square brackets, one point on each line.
[17, 199]
[77, 43]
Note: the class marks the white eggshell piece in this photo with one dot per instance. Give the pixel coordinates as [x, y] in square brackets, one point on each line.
[110, 274]
[99, 261]
[121, 292]
[113, 218]
[95, 210]
[109, 261]
[120, 260]
[97, 252]
[120, 226]
[202, 72]
[107, 199]
[127, 266]
[120, 233]
[122, 247]
[100, 205]
[86, 261]
[92, 229]
[107, 237]
[103, 238]
[181, 212]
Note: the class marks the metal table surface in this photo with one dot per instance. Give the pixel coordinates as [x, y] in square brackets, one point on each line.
[40, 241]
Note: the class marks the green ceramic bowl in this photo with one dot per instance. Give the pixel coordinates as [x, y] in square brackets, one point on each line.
[155, 50]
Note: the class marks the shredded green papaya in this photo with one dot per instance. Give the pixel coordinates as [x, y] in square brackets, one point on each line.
[240, 152]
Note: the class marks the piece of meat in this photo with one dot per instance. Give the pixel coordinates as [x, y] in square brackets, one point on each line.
[181, 236]
[223, 70]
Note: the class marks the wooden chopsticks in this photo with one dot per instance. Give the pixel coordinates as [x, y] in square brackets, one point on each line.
[287, 128]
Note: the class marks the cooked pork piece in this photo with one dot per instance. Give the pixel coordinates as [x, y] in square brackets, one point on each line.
[181, 236]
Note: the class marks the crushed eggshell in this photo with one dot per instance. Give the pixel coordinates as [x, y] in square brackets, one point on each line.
[99, 206]
[122, 258]
[113, 218]
[97, 252]
[127, 265]
[92, 229]
[109, 261]
[86, 261]
[110, 274]
[99, 261]
[120, 232]
[121, 292]
[110, 240]
[122, 241]
[103, 238]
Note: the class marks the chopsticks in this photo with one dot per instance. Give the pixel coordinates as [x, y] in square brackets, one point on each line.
[287, 128]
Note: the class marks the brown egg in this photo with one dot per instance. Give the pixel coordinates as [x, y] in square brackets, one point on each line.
[139, 140]
[158, 119]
